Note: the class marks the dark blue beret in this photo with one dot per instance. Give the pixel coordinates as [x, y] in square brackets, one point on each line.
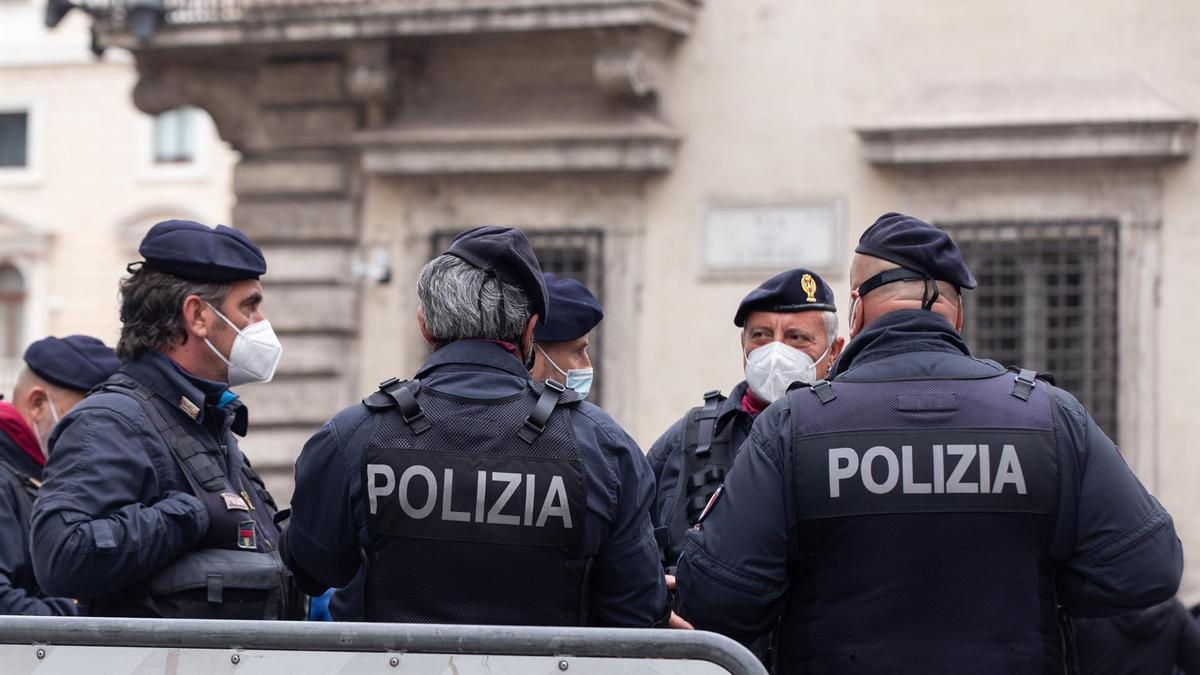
[507, 252]
[796, 290]
[196, 252]
[918, 246]
[576, 311]
[77, 362]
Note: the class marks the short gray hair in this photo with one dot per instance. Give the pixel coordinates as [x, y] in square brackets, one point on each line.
[461, 302]
[831, 326]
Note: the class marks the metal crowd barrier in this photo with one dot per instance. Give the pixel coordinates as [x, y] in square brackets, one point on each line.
[45, 645]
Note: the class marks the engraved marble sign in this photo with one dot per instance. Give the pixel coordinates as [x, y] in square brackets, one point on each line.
[760, 238]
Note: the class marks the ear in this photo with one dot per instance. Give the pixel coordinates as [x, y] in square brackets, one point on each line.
[835, 350]
[958, 321]
[856, 317]
[424, 329]
[195, 320]
[37, 399]
[527, 335]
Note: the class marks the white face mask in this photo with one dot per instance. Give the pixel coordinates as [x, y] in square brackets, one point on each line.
[579, 379]
[773, 367]
[255, 354]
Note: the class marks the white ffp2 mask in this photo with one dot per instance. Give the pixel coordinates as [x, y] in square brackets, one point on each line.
[255, 354]
[773, 367]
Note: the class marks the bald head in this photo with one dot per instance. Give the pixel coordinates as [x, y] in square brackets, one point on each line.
[895, 296]
[41, 403]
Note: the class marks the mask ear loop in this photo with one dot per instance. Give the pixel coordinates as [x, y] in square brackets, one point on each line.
[549, 360]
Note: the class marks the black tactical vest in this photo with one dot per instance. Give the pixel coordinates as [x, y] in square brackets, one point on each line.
[707, 454]
[235, 572]
[474, 508]
[926, 528]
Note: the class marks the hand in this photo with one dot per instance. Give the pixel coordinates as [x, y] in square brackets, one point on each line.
[676, 621]
[679, 622]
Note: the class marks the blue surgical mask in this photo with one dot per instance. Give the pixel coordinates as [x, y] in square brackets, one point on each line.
[579, 379]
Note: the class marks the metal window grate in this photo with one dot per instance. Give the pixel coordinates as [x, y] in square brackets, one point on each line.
[569, 253]
[1047, 300]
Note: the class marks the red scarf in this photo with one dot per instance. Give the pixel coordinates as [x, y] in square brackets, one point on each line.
[751, 403]
[510, 347]
[12, 424]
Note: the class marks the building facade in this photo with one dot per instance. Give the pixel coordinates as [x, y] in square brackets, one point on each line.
[83, 174]
[672, 154]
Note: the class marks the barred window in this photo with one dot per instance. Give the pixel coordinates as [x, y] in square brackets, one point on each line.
[571, 254]
[1047, 300]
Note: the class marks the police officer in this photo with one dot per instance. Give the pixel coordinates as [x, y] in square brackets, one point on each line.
[789, 334]
[924, 511]
[148, 506]
[475, 494]
[560, 349]
[57, 375]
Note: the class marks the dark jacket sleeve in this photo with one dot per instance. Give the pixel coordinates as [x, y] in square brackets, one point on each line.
[94, 530]
[321, 542]
[732, 573]
[1188, 659]
[627, 587]
[664, 461]
[1126, 553]
[14, 555]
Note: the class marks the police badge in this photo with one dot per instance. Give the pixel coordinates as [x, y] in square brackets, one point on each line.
[809, 286]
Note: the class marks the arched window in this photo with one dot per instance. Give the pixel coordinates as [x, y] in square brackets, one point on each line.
[12, 312]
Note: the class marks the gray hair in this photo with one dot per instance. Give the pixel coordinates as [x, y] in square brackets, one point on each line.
[831, 327]
[461, 301]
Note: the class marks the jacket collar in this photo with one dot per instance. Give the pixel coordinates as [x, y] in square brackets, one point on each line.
[731, 407]
[473, 353]
[195, 396]
[902, 332]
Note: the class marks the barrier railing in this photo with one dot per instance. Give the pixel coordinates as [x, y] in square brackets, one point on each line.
[183, 646]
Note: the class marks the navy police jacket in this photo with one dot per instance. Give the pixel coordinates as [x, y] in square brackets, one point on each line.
[115, 507]
[19, 591]
[325, 539]
[899, 558]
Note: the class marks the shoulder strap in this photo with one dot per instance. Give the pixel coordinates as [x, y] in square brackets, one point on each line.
[706, 418]
[198, 466]
[24, 486]
[402, 394]
[1024, 383]
[547, 401]
[824, 391]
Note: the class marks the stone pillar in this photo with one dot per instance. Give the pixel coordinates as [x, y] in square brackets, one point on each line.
[298, 197]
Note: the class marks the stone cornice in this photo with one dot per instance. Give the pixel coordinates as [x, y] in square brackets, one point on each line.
[649, 148]
[196, 23]
[1151, 139]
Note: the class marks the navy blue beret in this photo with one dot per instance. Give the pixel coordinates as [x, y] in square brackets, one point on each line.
[576, 311]
[918, 246]
[196, 252]
[77, 362]
[507, 252]
[796, 290]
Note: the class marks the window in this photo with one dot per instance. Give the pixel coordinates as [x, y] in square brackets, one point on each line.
[1047, 300]
[14, 139]
[571, 254]
[12, 312]
[175, 136]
